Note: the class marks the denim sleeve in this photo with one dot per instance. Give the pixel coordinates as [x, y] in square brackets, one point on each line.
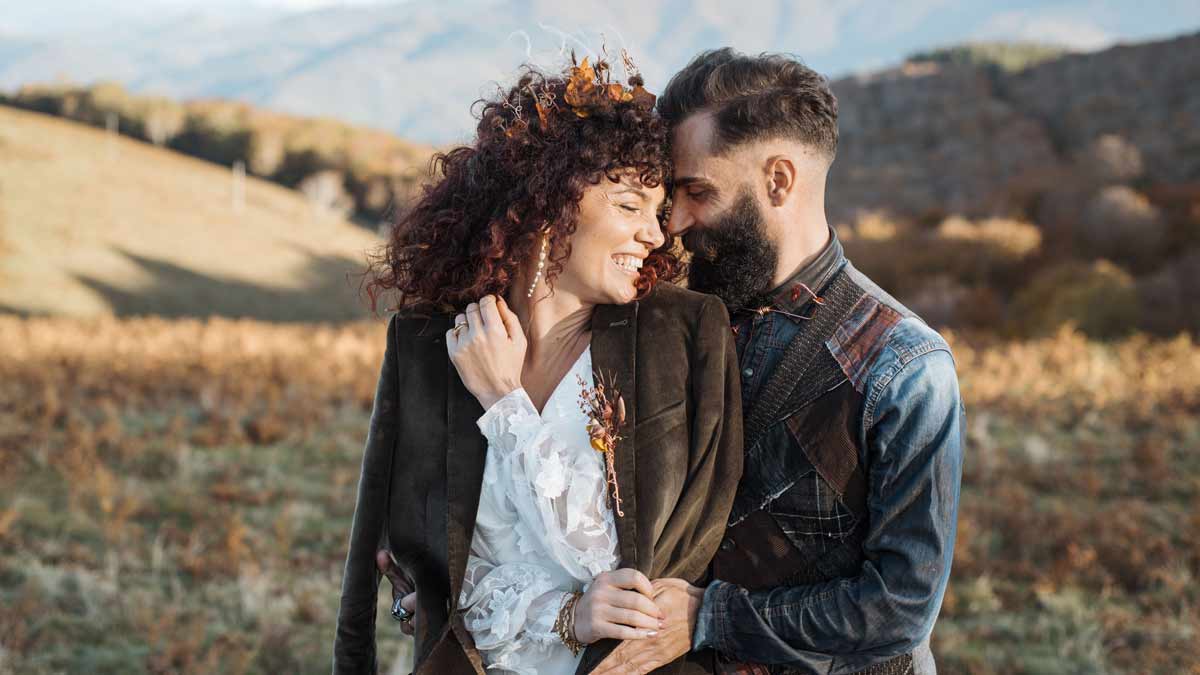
[913, 430]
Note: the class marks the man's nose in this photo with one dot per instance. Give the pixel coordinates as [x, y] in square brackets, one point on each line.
[679, 221]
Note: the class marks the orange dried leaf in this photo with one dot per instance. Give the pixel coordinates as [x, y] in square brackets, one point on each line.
[642, 97]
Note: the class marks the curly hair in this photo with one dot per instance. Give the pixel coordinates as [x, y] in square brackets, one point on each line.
[532, 159]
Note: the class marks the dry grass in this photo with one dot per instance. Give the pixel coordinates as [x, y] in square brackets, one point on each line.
[175, 496]
[93, 225]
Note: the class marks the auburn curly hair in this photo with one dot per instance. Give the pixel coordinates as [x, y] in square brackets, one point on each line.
[534, 154]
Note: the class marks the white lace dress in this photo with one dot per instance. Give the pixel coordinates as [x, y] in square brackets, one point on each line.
[544, 527]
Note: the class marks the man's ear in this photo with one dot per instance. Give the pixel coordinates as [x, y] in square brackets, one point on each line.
[780, 172]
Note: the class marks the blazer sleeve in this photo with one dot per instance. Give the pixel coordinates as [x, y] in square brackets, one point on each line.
[354, 644]
[715, 458]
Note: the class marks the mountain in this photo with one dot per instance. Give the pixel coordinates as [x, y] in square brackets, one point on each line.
[96, 225]
[410, 68]
[935, 138]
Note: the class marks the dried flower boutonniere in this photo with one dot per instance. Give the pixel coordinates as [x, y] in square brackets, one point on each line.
[605, 410]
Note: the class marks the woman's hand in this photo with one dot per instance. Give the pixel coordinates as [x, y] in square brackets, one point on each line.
[402, 588]
[618, 605]
[489, 352]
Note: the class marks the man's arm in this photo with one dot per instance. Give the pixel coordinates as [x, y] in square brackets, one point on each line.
[914, 427]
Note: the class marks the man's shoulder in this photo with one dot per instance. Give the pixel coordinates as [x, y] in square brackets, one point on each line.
[879, 336]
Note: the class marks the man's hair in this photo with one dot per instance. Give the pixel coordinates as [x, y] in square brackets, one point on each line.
[753, 98]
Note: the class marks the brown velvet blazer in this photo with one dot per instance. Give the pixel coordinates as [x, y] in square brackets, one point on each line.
[678, 466]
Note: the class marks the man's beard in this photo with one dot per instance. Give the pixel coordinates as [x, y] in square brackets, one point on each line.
[732, 258]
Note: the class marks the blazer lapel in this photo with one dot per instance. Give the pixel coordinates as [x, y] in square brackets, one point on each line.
[466, 454]
[614, 356]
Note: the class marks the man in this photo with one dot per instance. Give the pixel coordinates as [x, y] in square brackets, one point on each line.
[842, 533]
[840, 542]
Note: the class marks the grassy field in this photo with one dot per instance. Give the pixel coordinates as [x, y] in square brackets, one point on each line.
[91, 225]
[175, 496]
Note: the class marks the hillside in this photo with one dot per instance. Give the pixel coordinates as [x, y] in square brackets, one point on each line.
[91, 225]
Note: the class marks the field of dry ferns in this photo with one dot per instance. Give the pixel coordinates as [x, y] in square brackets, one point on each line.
[175, 496]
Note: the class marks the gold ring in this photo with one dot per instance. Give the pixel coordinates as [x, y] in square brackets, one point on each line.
[458, 327]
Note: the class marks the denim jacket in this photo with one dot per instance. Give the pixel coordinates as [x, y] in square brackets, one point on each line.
[910, 439]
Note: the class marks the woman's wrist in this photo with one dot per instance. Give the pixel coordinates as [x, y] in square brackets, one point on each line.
[487, 400]
[564, 625]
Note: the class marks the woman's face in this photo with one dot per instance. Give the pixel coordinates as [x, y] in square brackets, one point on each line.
[617, 229]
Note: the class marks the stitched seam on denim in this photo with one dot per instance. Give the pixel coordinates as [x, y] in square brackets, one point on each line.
[721, 617]
[893, 369]
[820, 598]
[908, 353]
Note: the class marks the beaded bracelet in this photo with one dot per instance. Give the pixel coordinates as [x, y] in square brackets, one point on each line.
[564, 625]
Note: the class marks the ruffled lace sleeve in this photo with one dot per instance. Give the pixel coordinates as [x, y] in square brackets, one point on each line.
[543, 529]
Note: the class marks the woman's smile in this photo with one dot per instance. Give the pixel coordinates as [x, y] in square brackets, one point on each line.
[629, 264]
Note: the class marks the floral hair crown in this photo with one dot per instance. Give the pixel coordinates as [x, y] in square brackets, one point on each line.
[591, 89]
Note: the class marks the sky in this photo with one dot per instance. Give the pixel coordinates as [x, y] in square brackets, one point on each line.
[844, 36]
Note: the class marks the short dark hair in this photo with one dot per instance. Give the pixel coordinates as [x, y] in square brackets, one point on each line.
[754, 97]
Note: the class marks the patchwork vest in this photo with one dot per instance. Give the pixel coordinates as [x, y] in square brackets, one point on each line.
[800, 516]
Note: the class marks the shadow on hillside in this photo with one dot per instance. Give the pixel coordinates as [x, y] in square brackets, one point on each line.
[326, 290]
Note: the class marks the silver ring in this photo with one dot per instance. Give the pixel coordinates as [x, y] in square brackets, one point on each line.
[399, 613]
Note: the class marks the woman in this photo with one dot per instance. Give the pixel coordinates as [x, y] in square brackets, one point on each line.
[528, 274]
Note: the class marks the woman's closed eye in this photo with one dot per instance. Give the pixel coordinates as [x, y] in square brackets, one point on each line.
[632, 208]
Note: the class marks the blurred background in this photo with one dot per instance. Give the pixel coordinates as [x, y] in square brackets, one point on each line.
[188, 190]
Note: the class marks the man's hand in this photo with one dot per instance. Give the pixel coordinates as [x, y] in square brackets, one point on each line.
[680, 601]
[401, 587]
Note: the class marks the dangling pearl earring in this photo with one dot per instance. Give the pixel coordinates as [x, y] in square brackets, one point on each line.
[541, 264]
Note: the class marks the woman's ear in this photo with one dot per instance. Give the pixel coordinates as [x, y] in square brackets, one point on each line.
[780, 172]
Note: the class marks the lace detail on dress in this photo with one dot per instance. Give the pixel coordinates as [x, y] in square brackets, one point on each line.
[543, 527]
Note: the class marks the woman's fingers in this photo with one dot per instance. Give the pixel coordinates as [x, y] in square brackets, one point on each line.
[452, 335]
[409, 602]
[511, 323]
[637, 602]
[474, 321]
[633, 618]
[632, 579]
[619, 632]
[492, 321]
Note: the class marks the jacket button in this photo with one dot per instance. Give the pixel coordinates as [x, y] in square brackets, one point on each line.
[749, 372]
[726, 544]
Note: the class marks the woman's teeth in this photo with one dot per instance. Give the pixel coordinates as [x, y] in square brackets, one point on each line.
[628, 263]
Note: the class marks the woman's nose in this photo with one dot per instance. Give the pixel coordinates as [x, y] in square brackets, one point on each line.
[653, 234]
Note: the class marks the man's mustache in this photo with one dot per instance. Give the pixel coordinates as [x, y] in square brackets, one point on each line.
[701, 244]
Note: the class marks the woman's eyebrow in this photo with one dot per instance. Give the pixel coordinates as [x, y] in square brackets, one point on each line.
[631, 190]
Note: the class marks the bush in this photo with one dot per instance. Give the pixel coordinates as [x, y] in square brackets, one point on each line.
[1110, 159]
[1100, 298]
[1171, 298]
[1120, 224]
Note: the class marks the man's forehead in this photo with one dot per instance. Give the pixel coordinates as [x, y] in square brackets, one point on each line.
[693, 137]
[691, 142]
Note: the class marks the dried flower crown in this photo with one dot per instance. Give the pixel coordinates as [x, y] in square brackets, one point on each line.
[589, 90]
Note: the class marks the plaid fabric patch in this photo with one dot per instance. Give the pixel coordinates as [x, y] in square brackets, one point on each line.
[812, 508]
[859, 338]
